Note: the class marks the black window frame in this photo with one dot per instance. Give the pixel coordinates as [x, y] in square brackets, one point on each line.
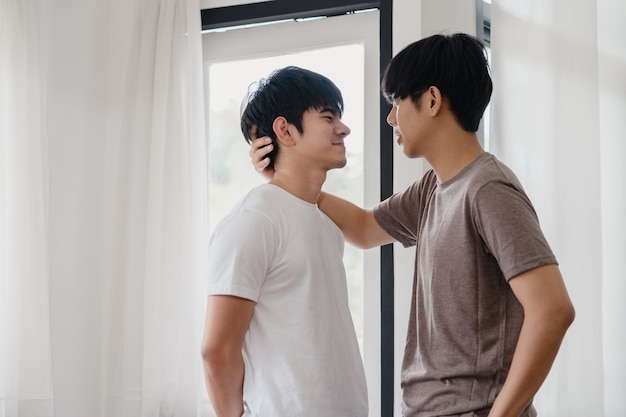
[483, 21]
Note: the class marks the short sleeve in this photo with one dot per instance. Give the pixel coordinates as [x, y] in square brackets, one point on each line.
[508, 224]
[241, 251]
[400, 215]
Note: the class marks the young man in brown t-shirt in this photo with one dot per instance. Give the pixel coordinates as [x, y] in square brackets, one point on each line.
[489, 307]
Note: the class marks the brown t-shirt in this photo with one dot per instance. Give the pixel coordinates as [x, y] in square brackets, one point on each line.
[472, 234]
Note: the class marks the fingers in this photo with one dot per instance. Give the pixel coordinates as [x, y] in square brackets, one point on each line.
[259, 157]
[259, 148]
[262, 164]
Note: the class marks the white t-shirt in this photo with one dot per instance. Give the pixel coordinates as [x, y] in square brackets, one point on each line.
[300, 352]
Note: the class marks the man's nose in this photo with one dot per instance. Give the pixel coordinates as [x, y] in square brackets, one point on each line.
[344, 130]
[391, 117]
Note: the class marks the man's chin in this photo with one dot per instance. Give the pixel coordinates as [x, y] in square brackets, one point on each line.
[340, 164]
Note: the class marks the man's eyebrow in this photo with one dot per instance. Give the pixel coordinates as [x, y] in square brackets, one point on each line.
[332, 110]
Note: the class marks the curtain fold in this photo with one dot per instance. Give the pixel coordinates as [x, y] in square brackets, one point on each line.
[25, 360]
[558, 120]
[162, 188]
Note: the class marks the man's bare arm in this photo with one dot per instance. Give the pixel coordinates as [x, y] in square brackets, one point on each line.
[548, 312]
[358, 225]
[226, 323]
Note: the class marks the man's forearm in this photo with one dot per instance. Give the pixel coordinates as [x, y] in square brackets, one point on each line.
[357, 224]
[536, 350]
[224, 381]
[548, 313]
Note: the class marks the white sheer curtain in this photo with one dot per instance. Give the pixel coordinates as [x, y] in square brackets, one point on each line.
[559, 120]
[103, 208]
[25, 361]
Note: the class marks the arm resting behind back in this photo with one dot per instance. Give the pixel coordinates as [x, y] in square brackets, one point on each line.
[226, 323]
[548, 312]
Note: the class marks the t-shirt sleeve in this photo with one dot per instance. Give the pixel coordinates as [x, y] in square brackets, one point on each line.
[401, 214]
[508, 224]
[241, 251]
[384, 215]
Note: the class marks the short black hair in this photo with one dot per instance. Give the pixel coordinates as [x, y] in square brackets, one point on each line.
[287, 92]
[456, 64]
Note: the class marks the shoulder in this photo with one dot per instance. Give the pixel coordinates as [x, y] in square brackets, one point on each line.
[422, 187]
[412, 195]
[489, 169]
[254, 213]
[483, 176]
[249, 231]
[494, 176]
[490, 188]
[264, 201]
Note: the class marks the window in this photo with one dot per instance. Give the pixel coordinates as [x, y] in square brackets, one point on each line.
[231, 175]
[233, 60]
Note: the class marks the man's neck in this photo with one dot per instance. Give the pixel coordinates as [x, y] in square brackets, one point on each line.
[452, 154]
[306, 187]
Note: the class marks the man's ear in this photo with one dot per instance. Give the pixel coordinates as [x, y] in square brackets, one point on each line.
[435, 100]
[283, 133]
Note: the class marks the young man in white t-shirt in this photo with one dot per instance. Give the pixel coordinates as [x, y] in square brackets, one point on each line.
[279, 339]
